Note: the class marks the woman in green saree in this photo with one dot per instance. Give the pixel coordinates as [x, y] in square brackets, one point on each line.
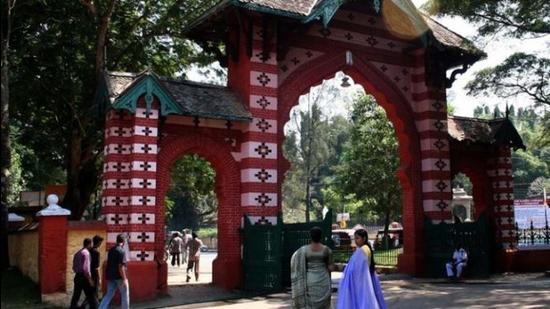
[310, 268]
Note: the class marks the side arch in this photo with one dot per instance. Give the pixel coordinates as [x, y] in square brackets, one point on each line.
[227, 265]
[402, 117]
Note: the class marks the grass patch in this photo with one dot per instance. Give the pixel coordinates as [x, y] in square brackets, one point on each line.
[207, 232]
[19, 291]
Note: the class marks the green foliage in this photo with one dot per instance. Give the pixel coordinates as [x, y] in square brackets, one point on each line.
[370, 160]
[53, 81]
[536, 188]
[462, 181]
[312, 147]
[191, 201]
[519, 74]
[518, 18]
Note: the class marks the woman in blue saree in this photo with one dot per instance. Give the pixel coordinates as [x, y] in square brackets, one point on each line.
[360, 287]
[310, 268]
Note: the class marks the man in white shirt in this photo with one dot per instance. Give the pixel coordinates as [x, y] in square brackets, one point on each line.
[460, 260]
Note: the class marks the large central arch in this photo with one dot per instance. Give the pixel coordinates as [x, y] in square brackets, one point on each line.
[399, 113]
[227, 265]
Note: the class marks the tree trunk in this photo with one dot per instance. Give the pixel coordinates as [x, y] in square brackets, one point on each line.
[82, 170]
[5, 151]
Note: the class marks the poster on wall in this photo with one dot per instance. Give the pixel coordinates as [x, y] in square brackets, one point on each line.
[533, 210]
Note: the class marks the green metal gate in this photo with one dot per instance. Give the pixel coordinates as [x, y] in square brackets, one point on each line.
[267, 250]
[262, 255]
[296, 235]
[441, 239]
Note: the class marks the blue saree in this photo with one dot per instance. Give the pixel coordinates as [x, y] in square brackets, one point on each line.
[359, 288]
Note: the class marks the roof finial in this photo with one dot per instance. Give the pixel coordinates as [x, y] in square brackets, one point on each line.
[507, 112]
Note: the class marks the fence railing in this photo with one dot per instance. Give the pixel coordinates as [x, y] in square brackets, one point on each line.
[382, 257]
[532, 236]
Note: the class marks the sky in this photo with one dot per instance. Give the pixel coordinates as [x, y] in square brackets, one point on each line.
[497, 50]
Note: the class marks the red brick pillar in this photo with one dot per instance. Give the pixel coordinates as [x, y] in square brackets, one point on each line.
[52, 247]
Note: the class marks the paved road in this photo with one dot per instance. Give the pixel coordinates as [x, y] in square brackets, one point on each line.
[176, 275]
[504, 291]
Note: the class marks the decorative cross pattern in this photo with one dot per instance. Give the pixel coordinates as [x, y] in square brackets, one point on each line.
[284, 68]
[442, 205]
[119, 148]
[396, 79]
[263, 150]
[263, 221]
[263, 125]
[116, 219]
[405, 88]
[384, 68]
[439, 144]
[262, 199]
[143, 237]
[371, 40]
[263, 79]
[144, 200]
[119, 183]
[441, 185]
[295, 60]
[263, 102]
[228, 124]
[146, 131]
[119, 131]
[143, 218]
[143, 255]
[146, 148]
[145, 183]
[391, 44]
[145, 166]
[348, 36]
[119, 166]
[440, 164]
[117, 200]
[146, 113]
[263, 175]
[196, 121]
[309, 54]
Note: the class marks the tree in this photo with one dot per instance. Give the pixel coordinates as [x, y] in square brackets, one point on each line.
[191, 201]
[520, 73]
[5, 149]
[370, 160]
[59, 50]
[536, 188]
[309, 147]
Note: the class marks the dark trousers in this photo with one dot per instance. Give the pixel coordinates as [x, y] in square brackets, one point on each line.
[175, 259]
[81, 283]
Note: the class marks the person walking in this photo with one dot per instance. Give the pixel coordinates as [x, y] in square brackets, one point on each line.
[175, 248]
[95, 264]
[186, 238]
[310, 268]
[83, 277]
[360, 287]
[117, 275]
[194, 246]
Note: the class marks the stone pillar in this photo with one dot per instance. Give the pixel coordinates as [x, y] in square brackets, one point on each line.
[52, 242]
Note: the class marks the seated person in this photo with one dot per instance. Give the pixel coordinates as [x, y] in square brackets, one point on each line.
[460, 260]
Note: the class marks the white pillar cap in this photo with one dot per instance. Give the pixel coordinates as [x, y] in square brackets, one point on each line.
[53, 209]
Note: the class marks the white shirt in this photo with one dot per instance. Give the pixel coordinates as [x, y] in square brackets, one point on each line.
[460, 255]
